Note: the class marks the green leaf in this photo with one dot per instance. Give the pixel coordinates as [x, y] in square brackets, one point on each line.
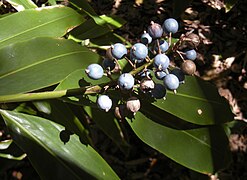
[11, 157]
[60, 113]
[21, 5]
[202, 149]
[230, 4]
[198, 102]
[89, 30]
[5, 144]
[109, 125]
[53, 21]
[40, 62]
[53, 159]
[114, 21]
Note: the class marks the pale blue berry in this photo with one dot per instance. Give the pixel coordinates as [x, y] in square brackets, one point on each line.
[104, 102]
[160, 74]
[161, 62]
[146, 38]
[190, 54]
[139, 51]
[170, 25]
[118, 51]
[171, 82]
[126, 81]
[163, 46]
[94, 71]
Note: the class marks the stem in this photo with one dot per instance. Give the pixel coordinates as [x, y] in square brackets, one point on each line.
[49, 94]
[62, 93]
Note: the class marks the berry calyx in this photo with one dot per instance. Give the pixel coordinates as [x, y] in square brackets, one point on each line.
[104, 102]
[94, 71]
[126, 81]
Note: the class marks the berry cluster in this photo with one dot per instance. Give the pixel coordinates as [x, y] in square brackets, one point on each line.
[154, 56]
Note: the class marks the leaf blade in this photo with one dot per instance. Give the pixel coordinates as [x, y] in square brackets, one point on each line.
[20, 68]
[27, 131]
[187, 147]
[52, 21]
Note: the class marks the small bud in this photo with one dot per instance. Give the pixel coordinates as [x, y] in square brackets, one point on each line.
[133, 104]
[146, 85]
[188, 67]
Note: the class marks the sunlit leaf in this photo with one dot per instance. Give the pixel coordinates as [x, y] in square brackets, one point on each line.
[40, 139]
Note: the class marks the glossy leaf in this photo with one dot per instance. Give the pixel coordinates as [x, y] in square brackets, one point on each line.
[53, 21]
[202, 149]
[198, 102]
[21, 5]
[60, 113]
[11, 157]
[229, 4]
[40, 62]
[53, 159]
[109, 125]
[5, 144]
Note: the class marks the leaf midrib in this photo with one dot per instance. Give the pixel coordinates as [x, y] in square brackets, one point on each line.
[40, 62]
[188, 134]
[196, 98]
[30, 29]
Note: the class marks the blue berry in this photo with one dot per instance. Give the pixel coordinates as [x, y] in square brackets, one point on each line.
[160, 75]
[155, 30]
[145, 73]
[171, 82]
[170, 25]
[161, 61]
[118, 51]
[139, 51]
[134, 59]
[108, 64]
[163, 46]
[159, 91]
[146, 38]
[94, 71]
[126, 81]
[104, 102]
[179, 73]
[190, 54]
